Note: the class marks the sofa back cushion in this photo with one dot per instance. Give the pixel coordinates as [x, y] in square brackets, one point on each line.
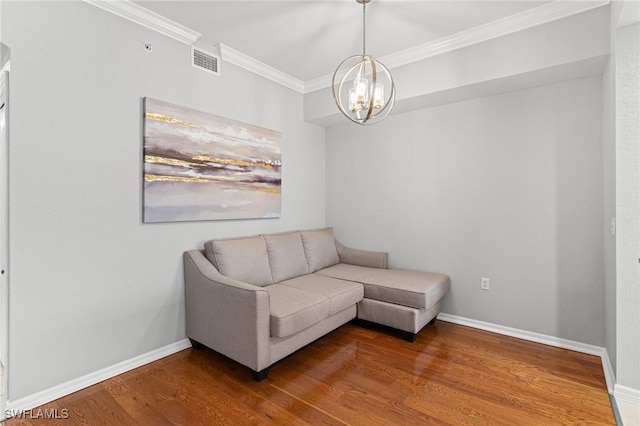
[319, 248]
[243, 259]
[286, 256]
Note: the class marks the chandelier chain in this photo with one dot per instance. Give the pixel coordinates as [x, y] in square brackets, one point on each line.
[364, 33]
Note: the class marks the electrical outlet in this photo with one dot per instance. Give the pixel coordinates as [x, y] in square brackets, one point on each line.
[484, 283]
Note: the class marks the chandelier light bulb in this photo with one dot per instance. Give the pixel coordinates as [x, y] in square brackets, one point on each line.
[353, 103]
[378, 96]
[360, 84]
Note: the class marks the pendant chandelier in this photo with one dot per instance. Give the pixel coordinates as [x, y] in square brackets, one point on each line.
[360, 83]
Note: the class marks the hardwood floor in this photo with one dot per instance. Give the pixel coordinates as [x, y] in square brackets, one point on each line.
[354, 376]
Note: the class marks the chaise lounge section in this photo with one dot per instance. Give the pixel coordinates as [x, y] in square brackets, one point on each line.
[258, 299]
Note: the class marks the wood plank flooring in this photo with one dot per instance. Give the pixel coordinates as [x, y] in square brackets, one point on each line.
[354, 376]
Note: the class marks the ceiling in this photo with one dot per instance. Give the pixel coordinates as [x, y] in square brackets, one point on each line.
[308, 39]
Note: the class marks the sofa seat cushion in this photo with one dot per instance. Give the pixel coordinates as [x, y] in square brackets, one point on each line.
[416, 289]
[341, 293]
[292, 309]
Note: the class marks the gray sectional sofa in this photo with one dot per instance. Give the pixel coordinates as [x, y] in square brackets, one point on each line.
[258, 299]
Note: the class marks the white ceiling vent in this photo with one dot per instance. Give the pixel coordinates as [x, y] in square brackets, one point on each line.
[205, 60]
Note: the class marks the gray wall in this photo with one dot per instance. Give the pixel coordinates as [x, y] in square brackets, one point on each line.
[609, 175]
[90, 284]
[628, 206]
[508, 187]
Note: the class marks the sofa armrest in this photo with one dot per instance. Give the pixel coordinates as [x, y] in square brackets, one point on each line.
[371, 259]
[226, 315]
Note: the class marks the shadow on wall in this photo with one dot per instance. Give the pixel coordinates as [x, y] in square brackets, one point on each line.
[507, 187]
[579, 218]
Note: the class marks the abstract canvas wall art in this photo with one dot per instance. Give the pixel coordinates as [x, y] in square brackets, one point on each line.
[199, 166]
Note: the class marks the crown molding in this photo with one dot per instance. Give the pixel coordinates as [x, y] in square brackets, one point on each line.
[241, 60]
[511, 24]
[537, 16]
[521, 21]
[629, 13]
[141, 16]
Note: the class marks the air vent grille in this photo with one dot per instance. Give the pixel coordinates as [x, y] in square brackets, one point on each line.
[204, 61]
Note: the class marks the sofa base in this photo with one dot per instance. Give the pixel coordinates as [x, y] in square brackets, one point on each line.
[363, 323]
[259, 376]
[408, 336]
[407, 319]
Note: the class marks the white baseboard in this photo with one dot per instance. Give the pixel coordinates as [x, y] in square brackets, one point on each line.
[628, 399]
[48, 395]
[628, 402]
[609, 375]
[540, 338]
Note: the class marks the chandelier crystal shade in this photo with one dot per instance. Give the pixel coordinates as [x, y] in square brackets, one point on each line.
[363, 88]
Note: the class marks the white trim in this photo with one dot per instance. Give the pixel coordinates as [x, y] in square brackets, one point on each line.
[530, 18]
[4, 226]
[139, 15]
[625, 394]
[253, 65]
[628, 402]
[142, 16]
[622, 393]
[48, 395]
[629, 14]
[540, 338]
[511, 24]
[609, 375]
